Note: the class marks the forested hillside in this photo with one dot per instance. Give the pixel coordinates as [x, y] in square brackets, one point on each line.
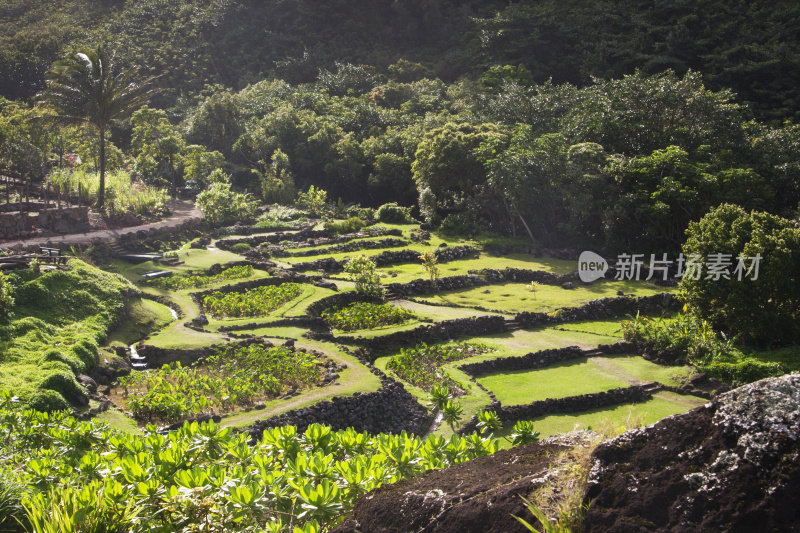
[750, 47]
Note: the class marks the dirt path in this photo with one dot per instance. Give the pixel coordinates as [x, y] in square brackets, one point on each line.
[182, 211]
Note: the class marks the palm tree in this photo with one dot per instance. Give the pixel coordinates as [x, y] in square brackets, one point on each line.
[85, 89]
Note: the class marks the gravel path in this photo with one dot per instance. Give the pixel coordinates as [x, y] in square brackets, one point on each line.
[182, 211]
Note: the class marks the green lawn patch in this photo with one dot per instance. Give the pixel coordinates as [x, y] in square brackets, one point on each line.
[411, 271]
[570, 378]
[661, 405]
[142, 317]
[517, 297]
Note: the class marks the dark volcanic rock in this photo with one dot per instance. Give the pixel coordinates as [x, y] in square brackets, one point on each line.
[478, 496]
[731, 465]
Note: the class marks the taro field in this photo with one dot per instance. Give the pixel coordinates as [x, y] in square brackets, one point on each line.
[319, 338]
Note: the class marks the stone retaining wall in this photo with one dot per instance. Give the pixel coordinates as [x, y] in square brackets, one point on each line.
[349, 247]
[17, 225]
[422, 287]
[541, 359]
[389, 257]
[391, 409]
[571, 404]
[602, 309]
[439, 332]
[339, 300]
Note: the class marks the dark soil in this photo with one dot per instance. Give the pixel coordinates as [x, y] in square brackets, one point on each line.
[474, 497]
[731, 465]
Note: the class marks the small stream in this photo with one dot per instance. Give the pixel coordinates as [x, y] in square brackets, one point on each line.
[137, 361]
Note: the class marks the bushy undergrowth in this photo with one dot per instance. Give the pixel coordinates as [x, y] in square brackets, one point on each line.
[349, 225]
[123, 194]
[84, 473]
[191, 281]
[232, 377]
[59, 319]
[253, 302]
[281, 217]
[365, 315]
[687, 337]
[421, 365]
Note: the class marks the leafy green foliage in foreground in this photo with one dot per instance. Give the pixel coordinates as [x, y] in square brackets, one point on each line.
[365, 315]
[696, 341]
[420, 365]
[58, 320]
[205, 475]
[233, 377]
[189, 281]
[253, 302]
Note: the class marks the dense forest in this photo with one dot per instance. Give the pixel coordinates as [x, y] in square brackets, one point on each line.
[750, 47]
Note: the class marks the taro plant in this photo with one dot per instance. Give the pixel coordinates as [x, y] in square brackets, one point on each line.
[190, 280]
[252, 302]
[365, 315]
[421, 365]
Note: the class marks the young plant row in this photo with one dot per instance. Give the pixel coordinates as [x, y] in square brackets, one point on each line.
[365, 315]
[79, 476]
[253, 302]
[421, 365]
[233, 377]
[193, 281]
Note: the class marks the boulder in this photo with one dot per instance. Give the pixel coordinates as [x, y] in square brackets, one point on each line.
[478, 496]
[730, 465]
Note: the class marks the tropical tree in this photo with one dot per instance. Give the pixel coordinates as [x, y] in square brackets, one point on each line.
[86, 88]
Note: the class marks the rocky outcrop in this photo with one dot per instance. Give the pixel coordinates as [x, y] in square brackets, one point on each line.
[731, 465]
[479, 496]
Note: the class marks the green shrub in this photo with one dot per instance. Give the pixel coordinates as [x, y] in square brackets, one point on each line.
[743, 371]
[88, 477]
[365, 315]
[392, 213]
[64, 384]
[47, 400]
[350, 225]
[221, 205]
[363, 272]
[367, 214]
[696, 341]
[764, 311]
[314, 200]
[68, 358]
[6, 297]
[240, 247]
[86, 350]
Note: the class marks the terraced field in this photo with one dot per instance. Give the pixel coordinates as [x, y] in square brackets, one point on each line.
[440, 317]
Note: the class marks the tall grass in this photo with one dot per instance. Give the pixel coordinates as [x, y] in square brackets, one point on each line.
[122, 193]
